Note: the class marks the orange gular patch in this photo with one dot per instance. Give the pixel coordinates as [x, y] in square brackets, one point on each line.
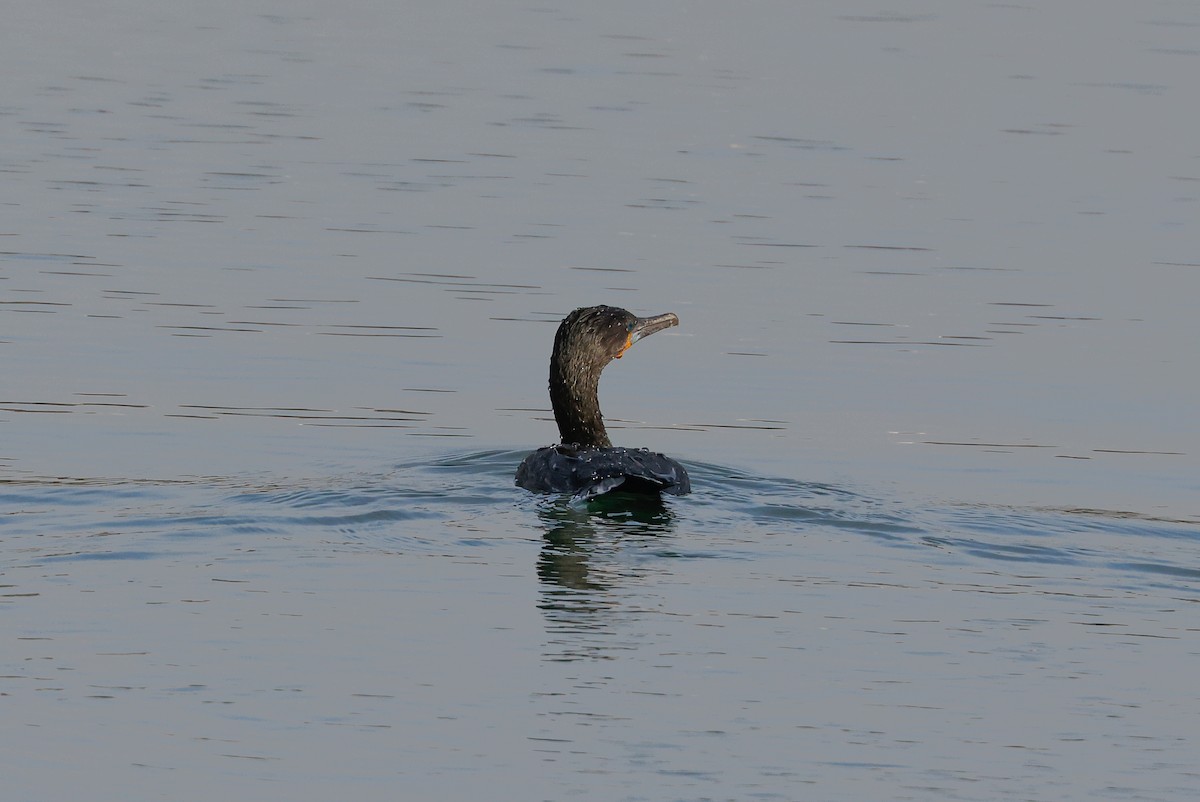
[628, 344]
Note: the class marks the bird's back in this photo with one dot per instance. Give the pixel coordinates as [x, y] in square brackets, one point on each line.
[590, 472]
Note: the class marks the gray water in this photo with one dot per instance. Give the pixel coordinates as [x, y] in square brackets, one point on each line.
[277, 288]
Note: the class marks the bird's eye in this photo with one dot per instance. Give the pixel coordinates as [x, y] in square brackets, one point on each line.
[629, 326]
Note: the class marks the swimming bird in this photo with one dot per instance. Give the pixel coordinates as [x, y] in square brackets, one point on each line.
[585, 463]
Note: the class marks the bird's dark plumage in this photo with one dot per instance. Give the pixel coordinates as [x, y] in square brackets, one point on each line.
[590, 472]
[585, 463]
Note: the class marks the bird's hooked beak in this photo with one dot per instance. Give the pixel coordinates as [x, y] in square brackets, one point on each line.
[645, 326]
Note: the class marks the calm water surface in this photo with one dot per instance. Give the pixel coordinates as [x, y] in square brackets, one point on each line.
[277, 290]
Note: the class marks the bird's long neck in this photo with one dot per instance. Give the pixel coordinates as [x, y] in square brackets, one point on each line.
[573, 394]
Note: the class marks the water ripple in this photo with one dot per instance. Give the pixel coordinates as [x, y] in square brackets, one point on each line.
[466, 501]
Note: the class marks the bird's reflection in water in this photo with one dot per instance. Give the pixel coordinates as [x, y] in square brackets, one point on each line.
[589, 557]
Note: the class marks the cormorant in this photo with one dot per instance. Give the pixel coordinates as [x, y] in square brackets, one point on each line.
[585, 463]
